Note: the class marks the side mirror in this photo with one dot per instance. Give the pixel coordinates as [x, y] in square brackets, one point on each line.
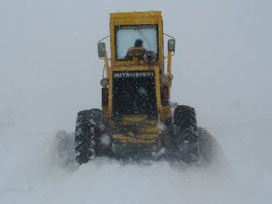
[101, 46]
[171, 45]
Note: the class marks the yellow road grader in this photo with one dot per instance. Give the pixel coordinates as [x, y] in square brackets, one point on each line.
[137, 120]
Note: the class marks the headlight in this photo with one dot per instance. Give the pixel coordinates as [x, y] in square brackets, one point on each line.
[104, 82]
[150, 57]
[164, 79]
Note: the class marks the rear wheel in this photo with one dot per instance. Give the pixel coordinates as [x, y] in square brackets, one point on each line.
[186, 140]
[87, 134]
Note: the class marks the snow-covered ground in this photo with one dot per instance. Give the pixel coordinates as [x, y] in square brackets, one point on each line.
[49, 70]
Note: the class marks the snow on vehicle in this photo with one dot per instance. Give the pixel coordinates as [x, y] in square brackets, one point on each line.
[136, 120]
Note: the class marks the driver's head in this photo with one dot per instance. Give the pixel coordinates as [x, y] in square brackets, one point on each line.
[138, 43]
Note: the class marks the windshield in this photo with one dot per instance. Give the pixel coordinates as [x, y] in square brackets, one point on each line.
[128, 36]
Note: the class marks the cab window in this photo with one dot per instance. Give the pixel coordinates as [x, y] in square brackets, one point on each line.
[127, 36]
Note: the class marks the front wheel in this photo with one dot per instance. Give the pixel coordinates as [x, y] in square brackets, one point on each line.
[87, 134]
[186, 140]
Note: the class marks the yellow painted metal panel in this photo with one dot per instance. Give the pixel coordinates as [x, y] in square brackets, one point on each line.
[134, 118]
[135, 14]
[144, 138]
[158, 94]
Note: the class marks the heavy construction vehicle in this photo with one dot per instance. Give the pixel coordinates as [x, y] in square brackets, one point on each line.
[136, 119]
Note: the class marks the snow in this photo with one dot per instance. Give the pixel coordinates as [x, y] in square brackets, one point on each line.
[105, 140]
[49, 70]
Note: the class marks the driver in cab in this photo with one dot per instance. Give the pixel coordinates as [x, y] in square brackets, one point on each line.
[137, 51]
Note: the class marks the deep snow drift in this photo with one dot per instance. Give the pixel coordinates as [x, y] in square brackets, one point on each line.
[49, 70]
[54, 177]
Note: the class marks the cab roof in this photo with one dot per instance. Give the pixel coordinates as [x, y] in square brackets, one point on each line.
[145, 14]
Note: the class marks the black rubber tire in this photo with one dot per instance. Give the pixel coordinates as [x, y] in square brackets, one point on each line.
[87, 134]
[186, 140]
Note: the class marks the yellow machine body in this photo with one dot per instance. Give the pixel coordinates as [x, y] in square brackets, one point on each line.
[147, 131]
